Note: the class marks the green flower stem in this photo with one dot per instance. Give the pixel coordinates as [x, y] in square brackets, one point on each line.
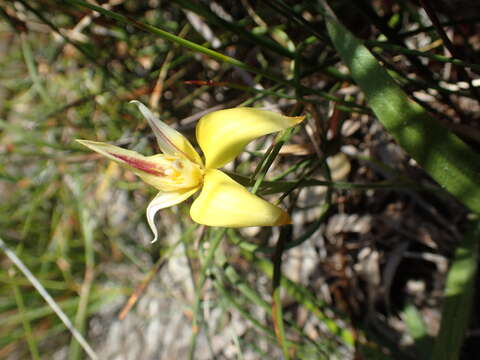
[213, 246]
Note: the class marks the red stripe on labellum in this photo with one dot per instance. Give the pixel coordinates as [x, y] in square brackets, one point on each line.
[139, 164]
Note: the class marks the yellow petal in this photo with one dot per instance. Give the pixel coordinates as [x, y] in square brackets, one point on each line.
[224, 202]
[170, 141]
[166, 173]
[162, 201]
[223, 134]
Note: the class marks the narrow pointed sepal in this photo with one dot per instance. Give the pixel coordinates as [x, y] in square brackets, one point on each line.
[170, 141]
[223, 134]
[125, 157]
[165, 173]
[224, 202]
[164, 200]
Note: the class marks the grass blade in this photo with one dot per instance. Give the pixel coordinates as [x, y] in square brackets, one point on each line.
[239, 30]
[87, 225]
[32, 344]
[209, 52]
[46, 296]
[277, 311]
[32, 69]
[214, 244]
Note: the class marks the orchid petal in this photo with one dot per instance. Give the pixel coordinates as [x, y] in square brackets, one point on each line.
[164, 200]
[224, 202]
[223, 134]
[166, 173]
[170, 141]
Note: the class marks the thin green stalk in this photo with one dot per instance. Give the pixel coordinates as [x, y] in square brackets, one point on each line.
[268, 159]
[32, 69]
[36, 313]
[421, 29]
[32, 343]
[87, 233]
[262, 41]
[259, 96]
[83, 49]
[234, 301]
[365, 7]
[254, 297]
[405, 51]
[50, 284]
[178, 40]
[246, 314]
[213, 246]
[274, 187]
[277, 309]
[306, 298]
[236, 29]
[429, 9]
[298, 166]
[312, 228]
[281, 7]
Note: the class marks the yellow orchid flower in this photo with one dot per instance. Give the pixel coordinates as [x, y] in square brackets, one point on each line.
[179, 171]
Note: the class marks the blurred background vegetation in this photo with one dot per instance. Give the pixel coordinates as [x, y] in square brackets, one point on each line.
[380, 261]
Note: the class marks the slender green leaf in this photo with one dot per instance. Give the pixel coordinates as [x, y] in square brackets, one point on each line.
[458, 297]
[31, 341]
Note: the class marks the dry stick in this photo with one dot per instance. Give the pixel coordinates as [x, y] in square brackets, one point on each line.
[46, 296]
[132, 300]
[162, 74]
